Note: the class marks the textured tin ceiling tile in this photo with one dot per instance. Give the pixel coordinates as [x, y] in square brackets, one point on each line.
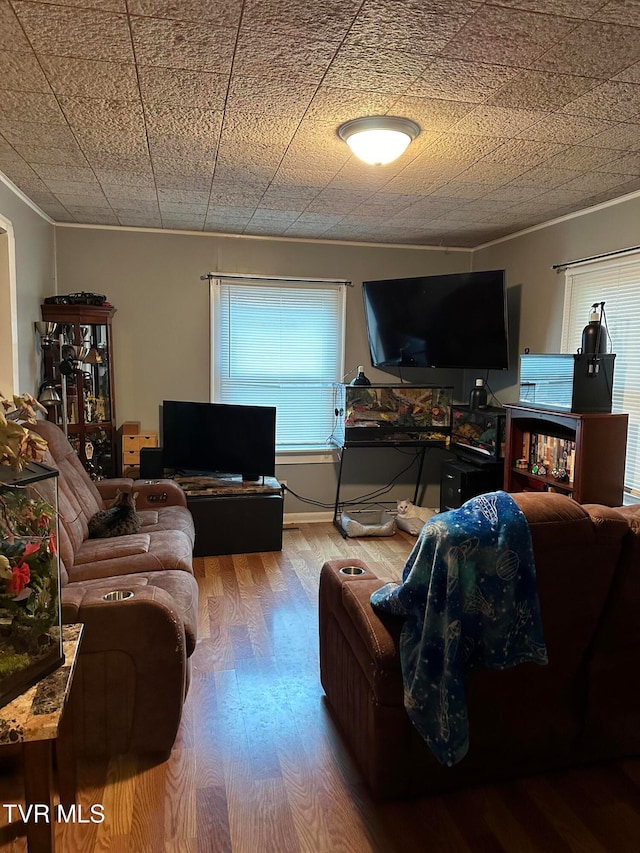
[57, 212]
[100, 5]
[84, 33]
[569, 8]
[91, 79]
[81, 200]
[542, 90]
[132, 220]
[71, 156]
[188, 221]
[166, 196]
[432, 114]
[234, 195]
[515, 37]
[135, 205]
[178, 44]
[118, 194]
[225, 14]
[594, 50]
[628, 164]
[274, 55]
[173, 124]
[249, 129]
[35, 135]
[169, 208]
[596, 182]
[21, 72]
[377, 70]
[220, 213]
[497, 121]
[282, 98]
[102, 217]
[619, 12]
[121, 178]
[565, 129]
[30, 106]
[408, 26]
[611, 100]
[195, 182]
[631, 74]
[178, 87]
[619, 137]
[12, 36]
[180, 160]
[580, 158]
[16, 168]
[64, 174]
[460, 80]
[328, 20]
[524, 152]
[333, 105]
[543, 177]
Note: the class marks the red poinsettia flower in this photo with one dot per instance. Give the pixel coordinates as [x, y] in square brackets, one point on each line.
[31, 548]
[20, 578]
[52, 543]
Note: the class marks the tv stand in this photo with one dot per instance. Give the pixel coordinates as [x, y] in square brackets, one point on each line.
[232, 515]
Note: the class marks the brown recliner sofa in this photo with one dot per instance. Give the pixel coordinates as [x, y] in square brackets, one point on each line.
[583, 706]
[133, 669]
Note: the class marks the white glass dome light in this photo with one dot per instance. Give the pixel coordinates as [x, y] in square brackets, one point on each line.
[378, 140]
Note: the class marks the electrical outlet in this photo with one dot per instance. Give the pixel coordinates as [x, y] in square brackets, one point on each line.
[283, 483]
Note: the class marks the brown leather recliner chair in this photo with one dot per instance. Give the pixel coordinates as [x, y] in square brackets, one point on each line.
[523, 720]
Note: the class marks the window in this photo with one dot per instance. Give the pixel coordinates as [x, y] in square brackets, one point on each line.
[280, 343]
[617, 283]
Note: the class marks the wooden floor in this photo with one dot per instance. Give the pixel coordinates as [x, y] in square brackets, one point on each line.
[259, 768]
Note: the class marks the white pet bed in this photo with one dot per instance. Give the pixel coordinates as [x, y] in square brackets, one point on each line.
[368, 522]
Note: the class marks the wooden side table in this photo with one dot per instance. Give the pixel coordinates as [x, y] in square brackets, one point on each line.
[35, 720]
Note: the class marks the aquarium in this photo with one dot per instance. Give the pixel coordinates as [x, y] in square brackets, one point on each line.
[392, 413]
[480, 431]
[30, 620]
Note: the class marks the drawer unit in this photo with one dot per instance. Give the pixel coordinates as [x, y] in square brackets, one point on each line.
[132, 440]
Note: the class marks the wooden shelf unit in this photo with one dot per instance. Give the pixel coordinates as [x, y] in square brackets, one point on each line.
[600, 453]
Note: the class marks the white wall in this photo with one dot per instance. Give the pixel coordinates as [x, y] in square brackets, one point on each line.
[33, 279]
[161, 328]
[528, 260]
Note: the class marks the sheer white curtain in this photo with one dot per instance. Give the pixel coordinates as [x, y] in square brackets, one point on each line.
[280, 343]
[615, 282]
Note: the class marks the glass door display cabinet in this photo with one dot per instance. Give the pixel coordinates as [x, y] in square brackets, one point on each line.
[79, 362]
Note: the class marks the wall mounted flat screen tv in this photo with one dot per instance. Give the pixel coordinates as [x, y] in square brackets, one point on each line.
[457, 320]
[219, 438]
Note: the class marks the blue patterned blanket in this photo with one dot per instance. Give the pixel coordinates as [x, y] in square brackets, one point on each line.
[469, 599]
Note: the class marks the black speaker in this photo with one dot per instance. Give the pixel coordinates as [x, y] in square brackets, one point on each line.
[151, 464]
[460, 481]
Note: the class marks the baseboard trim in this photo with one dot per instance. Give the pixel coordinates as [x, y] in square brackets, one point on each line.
[306, 517]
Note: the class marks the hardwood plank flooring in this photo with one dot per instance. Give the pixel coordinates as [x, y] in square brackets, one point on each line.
[258, 766]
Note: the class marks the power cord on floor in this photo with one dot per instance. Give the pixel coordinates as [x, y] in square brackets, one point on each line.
[367, 497]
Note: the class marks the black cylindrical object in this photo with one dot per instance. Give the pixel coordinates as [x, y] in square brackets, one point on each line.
[594, 338]
[361, 379]
[478, 396]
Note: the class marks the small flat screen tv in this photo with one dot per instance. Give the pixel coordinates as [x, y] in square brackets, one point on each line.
[219, 438]
[457, 320]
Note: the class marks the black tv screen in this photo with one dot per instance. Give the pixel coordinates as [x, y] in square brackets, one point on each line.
[457, 320]
[219, 438]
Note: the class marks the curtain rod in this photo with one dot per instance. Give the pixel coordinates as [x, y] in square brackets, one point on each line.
[211, 275]
[595, 258]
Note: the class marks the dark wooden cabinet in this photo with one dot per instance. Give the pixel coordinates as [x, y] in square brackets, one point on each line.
[597, 444]
[88, 412]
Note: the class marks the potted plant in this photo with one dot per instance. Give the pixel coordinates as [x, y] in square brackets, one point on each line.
[30, 623]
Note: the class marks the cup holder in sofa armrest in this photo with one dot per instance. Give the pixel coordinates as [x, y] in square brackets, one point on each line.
[118, 595]
[352, 570]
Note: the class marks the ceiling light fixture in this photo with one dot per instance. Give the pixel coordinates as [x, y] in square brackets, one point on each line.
[378, 140]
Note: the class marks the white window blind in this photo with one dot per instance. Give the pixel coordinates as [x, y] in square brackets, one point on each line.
[280, 344]
[617, 283]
